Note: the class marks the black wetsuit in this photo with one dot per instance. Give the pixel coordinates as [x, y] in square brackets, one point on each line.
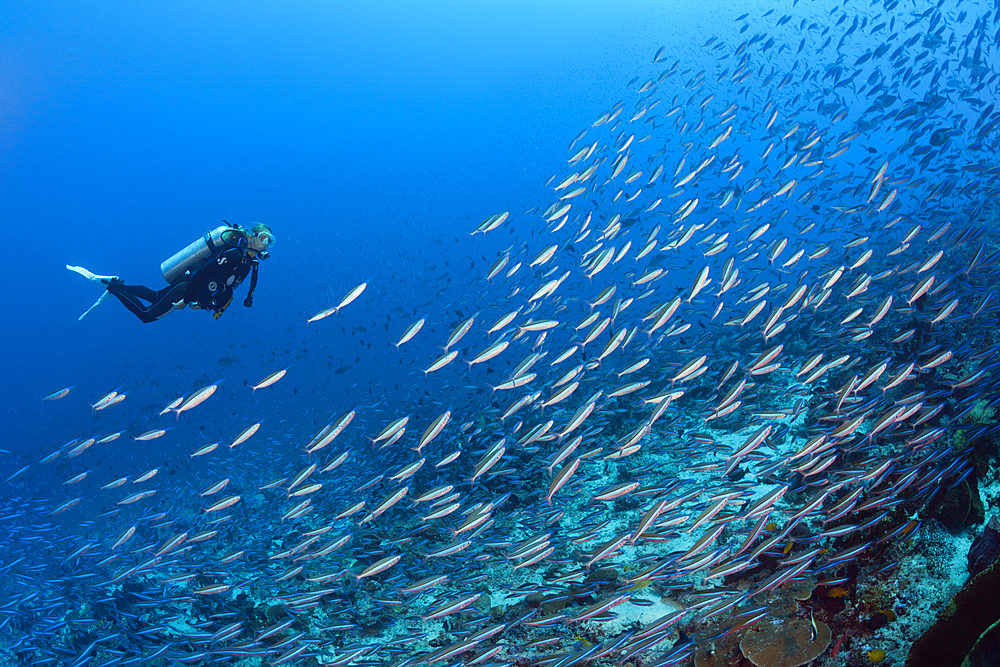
[209, 287]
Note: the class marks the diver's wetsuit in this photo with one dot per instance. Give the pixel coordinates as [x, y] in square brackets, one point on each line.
[160, 303]
[210, 287]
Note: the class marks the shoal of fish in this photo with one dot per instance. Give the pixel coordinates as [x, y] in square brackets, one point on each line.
[751, 341]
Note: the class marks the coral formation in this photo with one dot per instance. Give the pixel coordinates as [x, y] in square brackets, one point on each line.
[985, 549]
[786, 644]
[969, 614]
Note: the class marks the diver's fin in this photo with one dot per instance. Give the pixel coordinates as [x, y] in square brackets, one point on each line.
[90, 276]
[96, 304]
[82, 271]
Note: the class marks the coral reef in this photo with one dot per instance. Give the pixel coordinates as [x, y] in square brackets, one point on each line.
[985, 549]
[788, 644]
[969, 614]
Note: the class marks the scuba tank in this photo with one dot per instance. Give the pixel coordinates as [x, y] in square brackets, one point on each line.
[197, 252]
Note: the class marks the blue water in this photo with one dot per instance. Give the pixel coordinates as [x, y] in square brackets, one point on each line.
[372, 137]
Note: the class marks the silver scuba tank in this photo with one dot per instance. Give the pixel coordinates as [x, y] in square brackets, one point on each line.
[198, 251]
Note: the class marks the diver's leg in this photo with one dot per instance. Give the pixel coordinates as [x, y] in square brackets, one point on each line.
[142, 292]
[168, 300]
[126, 295]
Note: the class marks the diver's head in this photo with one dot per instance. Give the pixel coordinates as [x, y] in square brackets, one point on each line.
[260, 237]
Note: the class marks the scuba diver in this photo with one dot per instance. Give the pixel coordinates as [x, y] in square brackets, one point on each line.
[203, 275]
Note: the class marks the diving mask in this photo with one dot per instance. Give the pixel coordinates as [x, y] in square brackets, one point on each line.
[265, 239]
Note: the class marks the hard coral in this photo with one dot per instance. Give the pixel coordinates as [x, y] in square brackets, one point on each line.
[969, 614]
[985, 548]
[952, 507]
[789, 644]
